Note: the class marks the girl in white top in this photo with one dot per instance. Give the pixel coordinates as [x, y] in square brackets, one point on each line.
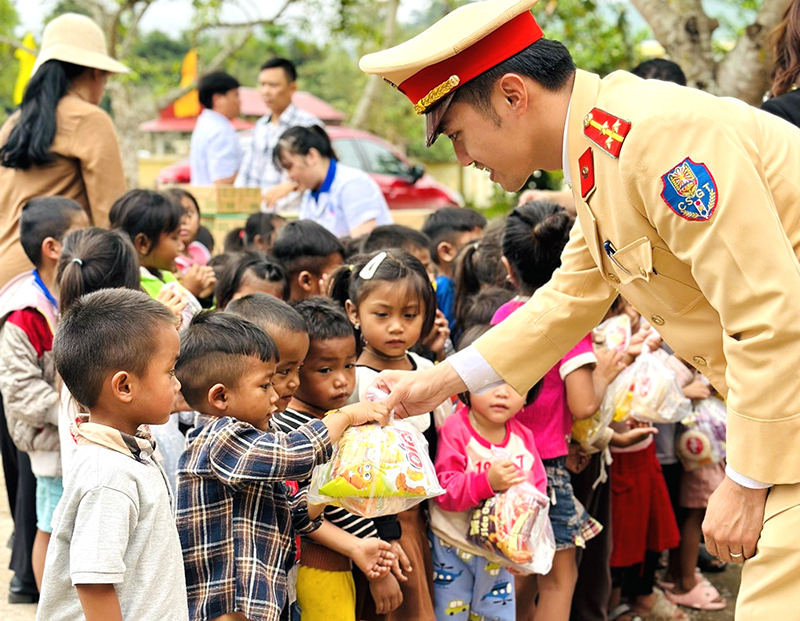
[344, 200]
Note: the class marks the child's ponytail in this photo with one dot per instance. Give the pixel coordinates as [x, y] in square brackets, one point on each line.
[339, 287]
[93, 259]
[535, 236]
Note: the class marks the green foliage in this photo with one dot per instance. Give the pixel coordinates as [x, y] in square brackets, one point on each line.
[9, 69]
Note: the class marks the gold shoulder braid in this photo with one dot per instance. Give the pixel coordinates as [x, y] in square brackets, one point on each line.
[436, 94]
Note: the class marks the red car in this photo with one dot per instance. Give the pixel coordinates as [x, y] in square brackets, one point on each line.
[404, 185]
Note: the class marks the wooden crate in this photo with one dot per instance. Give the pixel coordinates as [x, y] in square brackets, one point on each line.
[217, 199]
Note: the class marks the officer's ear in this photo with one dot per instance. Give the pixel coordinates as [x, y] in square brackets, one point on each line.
[514, 93]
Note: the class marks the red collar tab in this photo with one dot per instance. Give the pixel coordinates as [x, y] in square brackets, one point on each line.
[586, 170]
[606, 131]
[430, 84]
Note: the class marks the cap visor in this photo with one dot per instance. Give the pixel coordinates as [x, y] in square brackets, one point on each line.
[433, 118]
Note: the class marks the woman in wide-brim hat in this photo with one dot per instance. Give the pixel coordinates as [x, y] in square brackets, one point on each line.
[59, 142]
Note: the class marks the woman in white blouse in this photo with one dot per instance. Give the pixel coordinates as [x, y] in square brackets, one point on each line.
[344, 200]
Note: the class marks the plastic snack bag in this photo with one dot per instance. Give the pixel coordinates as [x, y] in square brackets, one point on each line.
[702, 439]
[514, 527]
[614, 333]
[648, 391]
[377, 470]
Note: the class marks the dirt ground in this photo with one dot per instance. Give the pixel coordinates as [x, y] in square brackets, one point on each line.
[727, 582]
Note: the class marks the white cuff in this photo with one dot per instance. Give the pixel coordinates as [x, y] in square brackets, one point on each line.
[476, 373]
[745, 481]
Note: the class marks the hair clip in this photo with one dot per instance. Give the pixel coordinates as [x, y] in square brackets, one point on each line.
[78, 261]
[368, 271]
[350, 267]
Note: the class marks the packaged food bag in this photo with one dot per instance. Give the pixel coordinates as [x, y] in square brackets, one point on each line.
[377, 470]
[702, 439]
[647, 390]
[614, 333]
[514, 527]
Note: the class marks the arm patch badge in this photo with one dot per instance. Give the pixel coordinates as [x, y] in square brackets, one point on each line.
[690, 191]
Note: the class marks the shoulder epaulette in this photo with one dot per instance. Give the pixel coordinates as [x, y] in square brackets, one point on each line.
[606, 131]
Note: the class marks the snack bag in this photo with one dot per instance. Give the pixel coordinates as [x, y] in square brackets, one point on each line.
[648, 391]
[377, 470]
[514, 527]
[702, 439]
[614, 333]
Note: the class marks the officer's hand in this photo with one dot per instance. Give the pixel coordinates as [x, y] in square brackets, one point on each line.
[734, 519]
[417, 392]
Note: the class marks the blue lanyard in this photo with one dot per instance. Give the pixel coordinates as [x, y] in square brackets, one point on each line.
[38, 280]
[327, 183]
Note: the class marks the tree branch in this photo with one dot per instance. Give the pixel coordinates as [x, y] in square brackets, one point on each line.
[684, 29]
[16, 44]
[247, 24]
[215, 64]
[744, 71]
[133, 30]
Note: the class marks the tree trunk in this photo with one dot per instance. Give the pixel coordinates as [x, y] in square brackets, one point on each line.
[684, 29]
[745, 71]
[374, 82]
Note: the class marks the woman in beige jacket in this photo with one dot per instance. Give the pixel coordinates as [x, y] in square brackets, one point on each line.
[59, 142]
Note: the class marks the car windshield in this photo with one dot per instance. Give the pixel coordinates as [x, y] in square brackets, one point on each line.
[382, 161]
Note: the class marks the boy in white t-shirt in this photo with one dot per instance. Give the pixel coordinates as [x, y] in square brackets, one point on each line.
[114, 552]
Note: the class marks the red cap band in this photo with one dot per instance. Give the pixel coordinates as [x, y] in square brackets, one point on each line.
[499, 45]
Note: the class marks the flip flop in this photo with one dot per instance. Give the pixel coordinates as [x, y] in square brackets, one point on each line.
[670, 586]
[701, 597]
[664, 610]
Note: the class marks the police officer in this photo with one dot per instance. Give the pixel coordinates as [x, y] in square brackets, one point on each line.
[688, 205]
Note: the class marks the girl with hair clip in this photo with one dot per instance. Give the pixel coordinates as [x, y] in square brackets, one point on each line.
[534, 237]
[94, 259]
[344, 200]
[251, 272]
[391, 304]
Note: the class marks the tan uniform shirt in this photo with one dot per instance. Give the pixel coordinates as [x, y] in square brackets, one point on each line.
[723, 292]
[87, 168]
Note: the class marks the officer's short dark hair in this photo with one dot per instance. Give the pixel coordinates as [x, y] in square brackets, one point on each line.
[218, 348]
[47, 216]
[282, 63]
[304, 245]
[394, 236]
[216, 83]
[446, 223]
[660, 69]
[546, 61]
[104, 332]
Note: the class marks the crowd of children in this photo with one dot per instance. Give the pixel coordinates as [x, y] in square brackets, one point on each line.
[174, 405]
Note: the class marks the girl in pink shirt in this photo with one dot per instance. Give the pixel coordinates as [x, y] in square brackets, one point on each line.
[535, 236]
[466, 584]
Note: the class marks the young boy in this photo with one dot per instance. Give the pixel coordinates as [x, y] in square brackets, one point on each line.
[450, 229]
[327, 379]
[289, 331]
[310, 254]
[235, 518]
[28, 315]
[115, 552]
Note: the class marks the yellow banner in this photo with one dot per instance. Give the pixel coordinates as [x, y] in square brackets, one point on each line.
[189, 104]
[26, 62]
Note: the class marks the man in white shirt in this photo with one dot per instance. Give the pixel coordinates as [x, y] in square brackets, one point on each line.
[277, 83]
[215, 151]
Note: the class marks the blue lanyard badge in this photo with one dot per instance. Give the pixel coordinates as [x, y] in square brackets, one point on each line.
[40, 283]
[327, 183]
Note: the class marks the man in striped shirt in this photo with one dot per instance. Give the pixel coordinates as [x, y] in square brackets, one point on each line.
[277, 84]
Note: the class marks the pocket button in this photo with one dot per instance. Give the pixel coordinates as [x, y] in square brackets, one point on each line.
[657, 320]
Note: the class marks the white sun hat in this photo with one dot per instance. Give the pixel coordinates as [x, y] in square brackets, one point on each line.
[77, 39]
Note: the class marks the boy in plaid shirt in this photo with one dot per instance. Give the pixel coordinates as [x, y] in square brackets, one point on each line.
[235, 518]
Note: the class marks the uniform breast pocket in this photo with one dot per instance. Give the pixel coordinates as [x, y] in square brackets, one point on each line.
[631, 262]
[672, 282]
